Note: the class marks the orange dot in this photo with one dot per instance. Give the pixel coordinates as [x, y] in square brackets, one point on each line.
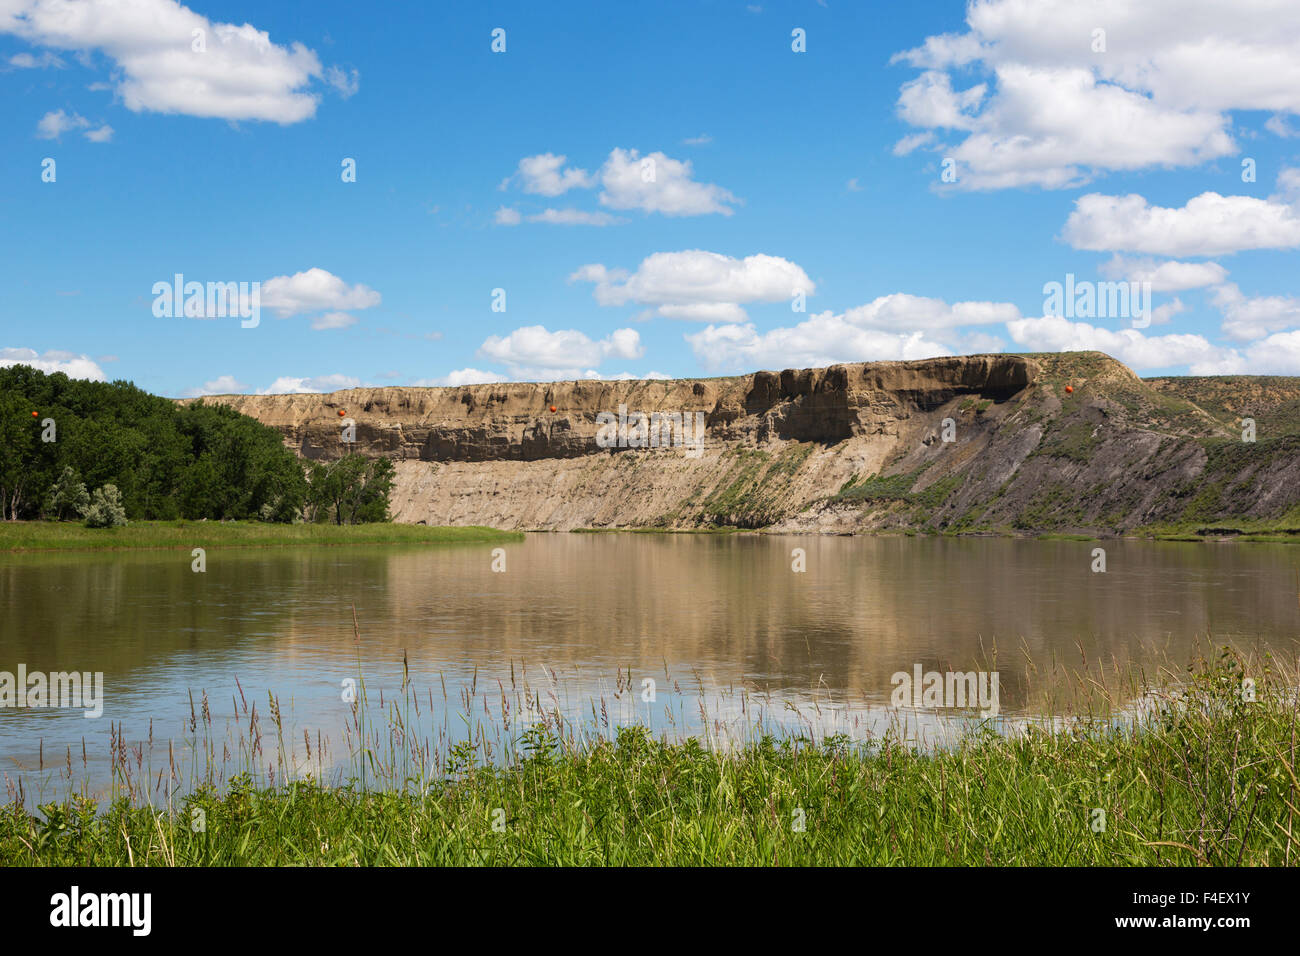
[552, 408]
[35, 415]
[341, 413]
[1069, 389]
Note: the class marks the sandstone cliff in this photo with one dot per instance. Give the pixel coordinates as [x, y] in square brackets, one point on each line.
[844, 448]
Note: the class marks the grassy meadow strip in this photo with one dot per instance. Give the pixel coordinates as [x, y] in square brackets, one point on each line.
[1207, 777]
[74, 536]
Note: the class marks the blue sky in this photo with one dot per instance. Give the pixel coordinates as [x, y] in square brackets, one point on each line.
[1108, 157]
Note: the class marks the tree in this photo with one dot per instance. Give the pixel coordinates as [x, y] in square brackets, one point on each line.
[68, 495]
[352, 490]
[166, 460]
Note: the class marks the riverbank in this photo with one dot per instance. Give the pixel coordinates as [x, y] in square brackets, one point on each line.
[1207, 778]
[73, 536]
[1246, 531]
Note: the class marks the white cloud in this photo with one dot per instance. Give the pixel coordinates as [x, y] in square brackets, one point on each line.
[1170, 276]
[1163, 313]
[25, 61]
[221, 385]
[575, 217]
[635, 377]
[70, 364]
[546, 175]
[659, 184]
[54, 124]
[1278, 354]
[895, 326]
[1207, 225]
[654, 183]
[505, 216]
[333, 320]
[700, 285]
[1246, 318]
[930, 100]
[1277, 125]
[1057, 334]
[533, 347]
[461, 376]
[900, 312]
[315, 291]
[705, 312]
[347, 83]
[1057, 111]
[911, 142]
[239, 74]
[702, 140]
[286, 385]
[822, 339]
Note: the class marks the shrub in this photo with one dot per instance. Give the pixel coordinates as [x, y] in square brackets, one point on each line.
[106, 510]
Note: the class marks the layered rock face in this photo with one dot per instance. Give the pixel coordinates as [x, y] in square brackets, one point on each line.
[984, 442]
[513, 422]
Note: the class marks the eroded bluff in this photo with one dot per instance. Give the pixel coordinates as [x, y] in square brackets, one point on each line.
[984, 442]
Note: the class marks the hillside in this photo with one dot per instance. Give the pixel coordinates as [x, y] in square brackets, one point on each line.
[841, 449]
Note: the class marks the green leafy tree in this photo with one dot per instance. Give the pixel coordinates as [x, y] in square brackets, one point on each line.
[167, 460]
[352, 490]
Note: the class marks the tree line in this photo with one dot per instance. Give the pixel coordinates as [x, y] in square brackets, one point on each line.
[107, 452]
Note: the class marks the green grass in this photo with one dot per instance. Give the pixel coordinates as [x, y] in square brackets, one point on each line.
[72, 536]
[1207, 777]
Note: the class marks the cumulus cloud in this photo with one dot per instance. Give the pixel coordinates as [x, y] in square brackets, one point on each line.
[1170, 276]
[896, 326]
[1130, 346]
[659, 184]
[901, 311]
[1207, 225]
[655, 183]
[287, 385]
[546, 175]
[54, 360]
[26, 61]
[57, 122]
[1250, 317]
[317, 291]
[1052, 108]
[221, 385]
[822, 339]
[699, 285]
[533, 347]
[169, 59]
[461, 376]
[505, 216]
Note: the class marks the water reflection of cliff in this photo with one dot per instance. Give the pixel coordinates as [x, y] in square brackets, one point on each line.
[727, 607]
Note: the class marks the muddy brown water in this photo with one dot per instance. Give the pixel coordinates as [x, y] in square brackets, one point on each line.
[718, 619]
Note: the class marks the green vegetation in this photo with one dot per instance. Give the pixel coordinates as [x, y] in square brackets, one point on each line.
[1205, 778]
[752, 492]
[898, 488]
[52, 536]
[1077, 441]
[166, 461]
[148, 458]
[352, 490]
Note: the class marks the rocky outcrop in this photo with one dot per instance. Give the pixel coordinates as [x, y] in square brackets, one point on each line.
[1072, 442]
